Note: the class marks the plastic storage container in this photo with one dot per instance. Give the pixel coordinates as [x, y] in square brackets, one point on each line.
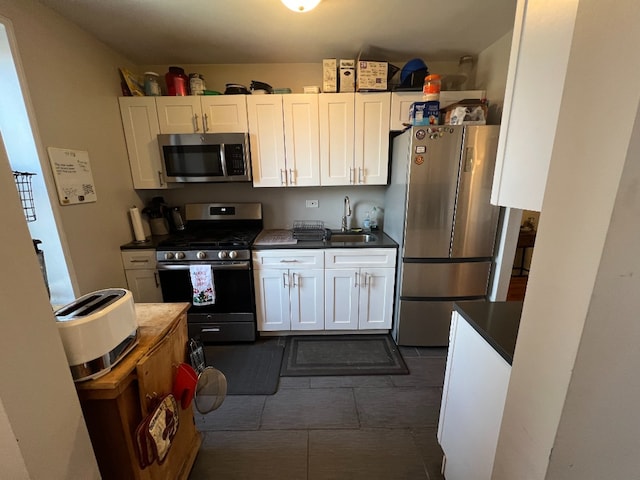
[196, 84]
[151, 85]
[431, 88]
[177, 82]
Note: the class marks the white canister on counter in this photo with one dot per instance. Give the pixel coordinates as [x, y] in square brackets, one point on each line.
[196, 84]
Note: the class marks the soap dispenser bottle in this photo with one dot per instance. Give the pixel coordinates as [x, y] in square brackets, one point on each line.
[374, 218]
[367, 223]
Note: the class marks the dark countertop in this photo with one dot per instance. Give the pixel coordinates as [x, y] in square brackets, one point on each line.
[496, 322]
[382, 241]
[152, 242]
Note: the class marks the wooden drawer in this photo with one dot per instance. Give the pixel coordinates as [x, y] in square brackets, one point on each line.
[363, 257]
[138, 259]
[290, 258]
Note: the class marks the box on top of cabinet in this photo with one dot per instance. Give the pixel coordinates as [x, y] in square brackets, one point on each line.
[330, 75]
[371, 76]
[347, 78]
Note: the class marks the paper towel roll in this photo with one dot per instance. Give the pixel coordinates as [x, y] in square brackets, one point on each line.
[136, 221]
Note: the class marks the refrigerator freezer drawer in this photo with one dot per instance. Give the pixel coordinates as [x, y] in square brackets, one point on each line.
[460, 279]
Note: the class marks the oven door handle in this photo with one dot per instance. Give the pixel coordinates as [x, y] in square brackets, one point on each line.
[183, 266]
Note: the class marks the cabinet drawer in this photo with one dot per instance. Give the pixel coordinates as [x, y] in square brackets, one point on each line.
[138, 259]
[291, 258]
[364, 257]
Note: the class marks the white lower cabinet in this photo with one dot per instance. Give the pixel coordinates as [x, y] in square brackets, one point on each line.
[473, 397]
[289, 289]
[359, 288]
[142, 276]
[332, 289]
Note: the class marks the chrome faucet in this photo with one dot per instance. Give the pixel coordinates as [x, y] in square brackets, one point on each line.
[346, 212]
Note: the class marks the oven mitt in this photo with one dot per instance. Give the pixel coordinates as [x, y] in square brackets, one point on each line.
[154, 435]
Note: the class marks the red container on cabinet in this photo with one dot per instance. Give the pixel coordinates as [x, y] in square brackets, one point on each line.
[177, 82]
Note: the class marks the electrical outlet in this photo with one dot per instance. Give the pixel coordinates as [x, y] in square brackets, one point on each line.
[312, 203]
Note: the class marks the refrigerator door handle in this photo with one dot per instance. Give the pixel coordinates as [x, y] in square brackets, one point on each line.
[468, 159]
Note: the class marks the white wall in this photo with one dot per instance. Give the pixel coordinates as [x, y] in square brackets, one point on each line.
[491, 75]
[71, 91]
[38, 401]
[571, 408]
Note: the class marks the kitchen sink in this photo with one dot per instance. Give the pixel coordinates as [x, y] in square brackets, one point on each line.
[352, 237]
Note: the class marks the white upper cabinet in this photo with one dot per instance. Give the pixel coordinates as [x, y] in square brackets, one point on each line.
[371, 152]
[140, 124]
[337, 117]
[283, 134]
[354, 138]
[540, 47]
[202, 114]
[180, 114]
[401, 103]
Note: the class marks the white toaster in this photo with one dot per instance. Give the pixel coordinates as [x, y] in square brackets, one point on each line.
[97, 330]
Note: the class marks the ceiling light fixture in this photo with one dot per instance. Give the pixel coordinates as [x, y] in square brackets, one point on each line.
[301, 5]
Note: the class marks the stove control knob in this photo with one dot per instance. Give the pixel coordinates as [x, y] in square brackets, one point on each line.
[168, 256]
[179, 255]
[222, 254]
[201, 255]
[233, 254]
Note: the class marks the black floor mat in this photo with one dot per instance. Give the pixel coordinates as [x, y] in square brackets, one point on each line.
[250, 369]
[328, 355]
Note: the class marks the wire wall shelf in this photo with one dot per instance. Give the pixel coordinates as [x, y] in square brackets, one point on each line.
[25, 190]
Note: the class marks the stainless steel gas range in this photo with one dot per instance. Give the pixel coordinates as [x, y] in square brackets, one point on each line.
[219, 236]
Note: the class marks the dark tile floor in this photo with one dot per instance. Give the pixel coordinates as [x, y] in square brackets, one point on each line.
[318, 428]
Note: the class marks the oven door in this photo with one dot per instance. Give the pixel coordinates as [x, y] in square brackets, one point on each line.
[232, 317]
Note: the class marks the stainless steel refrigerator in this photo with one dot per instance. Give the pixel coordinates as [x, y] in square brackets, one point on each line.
[437, 209]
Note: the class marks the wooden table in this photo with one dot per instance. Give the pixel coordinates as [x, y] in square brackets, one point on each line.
[114, 404]
[526, 239]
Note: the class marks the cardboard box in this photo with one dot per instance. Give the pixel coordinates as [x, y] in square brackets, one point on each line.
[466, 112]
[347, 75]
[371, 76]
[424, 113]
[330, 75]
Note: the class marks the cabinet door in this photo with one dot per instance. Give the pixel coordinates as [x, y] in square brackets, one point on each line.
[541, 42]
[144, 285]
[180, 114]
[337, 116]
[272, 299]
[371, 151]
[224, 113]
[302, 140]
[307, 299]
[341, 299]
[400, 105]
[468, 431]
[266, 137]
[140, 124]
[376, 298]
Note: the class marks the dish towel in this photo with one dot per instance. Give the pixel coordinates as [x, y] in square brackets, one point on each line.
[204, 291]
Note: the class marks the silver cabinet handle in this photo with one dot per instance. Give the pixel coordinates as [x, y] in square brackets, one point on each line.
[355, 279]
[205, 122]
[360, 175]
[295, 280]
[195, 123]
[283, 178]
[139, 261]
[155, 277]
[160, 178]
[366, 280]
[285, 279]
[351, 175]
[288, 261]
[291, 182]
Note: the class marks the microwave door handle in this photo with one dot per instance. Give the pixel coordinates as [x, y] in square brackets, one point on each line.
[223, 160]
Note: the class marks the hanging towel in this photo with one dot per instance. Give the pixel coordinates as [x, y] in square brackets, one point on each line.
[204, 291]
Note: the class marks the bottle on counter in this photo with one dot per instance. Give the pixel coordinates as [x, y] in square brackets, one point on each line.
[196, 84]
[151, 85]
[177, 82]
[374, 218]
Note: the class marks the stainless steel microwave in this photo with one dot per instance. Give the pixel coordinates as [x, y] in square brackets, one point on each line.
[207, 157]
